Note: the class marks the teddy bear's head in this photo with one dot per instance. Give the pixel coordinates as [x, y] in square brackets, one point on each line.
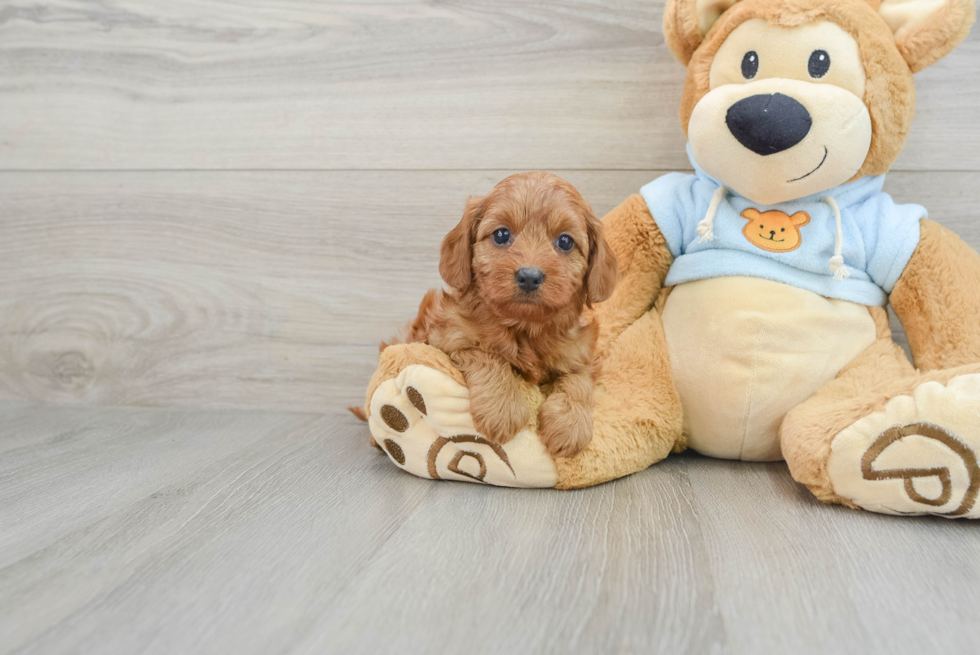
[788, 98]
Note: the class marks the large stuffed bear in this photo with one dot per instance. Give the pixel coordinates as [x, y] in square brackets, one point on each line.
[749, 321]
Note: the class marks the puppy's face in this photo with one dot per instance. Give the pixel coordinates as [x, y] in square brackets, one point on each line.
[530, 248]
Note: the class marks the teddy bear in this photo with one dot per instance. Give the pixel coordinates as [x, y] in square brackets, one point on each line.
[750, 317]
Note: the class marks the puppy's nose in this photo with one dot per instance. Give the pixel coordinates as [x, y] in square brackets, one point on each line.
[529, 279]
[768, 123]
[772, 233]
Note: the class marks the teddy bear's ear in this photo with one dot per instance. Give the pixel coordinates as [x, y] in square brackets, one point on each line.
[927, 30]
[687, 21]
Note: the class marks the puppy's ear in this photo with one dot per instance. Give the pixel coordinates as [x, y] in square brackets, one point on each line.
[600, 279]
[456, 256]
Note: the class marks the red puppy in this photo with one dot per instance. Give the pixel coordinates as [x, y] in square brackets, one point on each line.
[524, 262]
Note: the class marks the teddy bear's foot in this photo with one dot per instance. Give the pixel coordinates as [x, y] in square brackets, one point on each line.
[421, 419]
[919, 455]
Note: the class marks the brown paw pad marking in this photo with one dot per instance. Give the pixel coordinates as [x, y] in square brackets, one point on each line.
[394, 418]
[453, 466]
[457, 458]
[928, 431]
[415, 398]
[395, 451]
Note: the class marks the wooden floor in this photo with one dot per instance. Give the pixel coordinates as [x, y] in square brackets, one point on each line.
[210, 214]
[189, 531]
[213, 204]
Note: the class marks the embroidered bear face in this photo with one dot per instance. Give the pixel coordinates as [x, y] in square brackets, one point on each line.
[788, 99]
[774, 230]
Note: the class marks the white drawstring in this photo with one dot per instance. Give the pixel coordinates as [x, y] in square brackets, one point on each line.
[837, 261]
[707, 223]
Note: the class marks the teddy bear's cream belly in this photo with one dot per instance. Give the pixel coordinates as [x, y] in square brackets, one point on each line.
[744, 351]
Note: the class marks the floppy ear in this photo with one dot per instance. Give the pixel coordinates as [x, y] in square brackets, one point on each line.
[456, 254]
[600, 278]
[927, 30]
[687, 21]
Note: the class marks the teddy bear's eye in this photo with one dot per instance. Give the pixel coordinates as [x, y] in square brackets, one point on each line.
[750, 64]
[782, 229]
[819, 63]
[761, 226]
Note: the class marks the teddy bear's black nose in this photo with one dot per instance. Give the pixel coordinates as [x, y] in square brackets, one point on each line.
[768, 123]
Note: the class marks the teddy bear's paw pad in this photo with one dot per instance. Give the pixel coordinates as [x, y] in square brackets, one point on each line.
[919, 455]
[421, 420]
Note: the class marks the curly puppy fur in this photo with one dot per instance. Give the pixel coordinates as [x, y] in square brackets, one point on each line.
[497, 332]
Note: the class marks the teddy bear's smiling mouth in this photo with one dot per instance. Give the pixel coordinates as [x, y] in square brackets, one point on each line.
[825, 151]
[774, 239]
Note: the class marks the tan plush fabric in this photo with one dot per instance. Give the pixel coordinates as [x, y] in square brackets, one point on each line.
[915, 455]
[643, 259]
[744, 351]
[394, 359]
[925, 35]
[889, 92]
[421, 419]
[682, 28]
[864, 386]
[938, 300]
[880, 435]
[839, 135]
[879, 375]
[637, 413]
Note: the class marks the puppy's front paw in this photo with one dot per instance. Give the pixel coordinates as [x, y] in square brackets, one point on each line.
[497, 422]
[565, 427]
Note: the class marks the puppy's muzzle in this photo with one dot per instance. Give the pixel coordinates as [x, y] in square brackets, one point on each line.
[529, 279]
[768, 123]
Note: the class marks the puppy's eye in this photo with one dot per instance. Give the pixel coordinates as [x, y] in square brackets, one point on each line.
[501, 236]
[750, 64]
[819, 63]
[761, 226]
[782, 229]
[565, 243]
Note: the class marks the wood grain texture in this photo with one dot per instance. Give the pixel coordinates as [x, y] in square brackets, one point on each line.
[404, 84]
[167, 531]
[249, 289]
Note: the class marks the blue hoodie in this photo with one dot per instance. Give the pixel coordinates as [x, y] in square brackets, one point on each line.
[878, 236]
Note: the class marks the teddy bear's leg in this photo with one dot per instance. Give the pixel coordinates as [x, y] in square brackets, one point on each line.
[637, 417]
[886, 438]
[937, 298]
[418, 412]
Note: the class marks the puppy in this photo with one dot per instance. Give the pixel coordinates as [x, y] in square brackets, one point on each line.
[523, 263]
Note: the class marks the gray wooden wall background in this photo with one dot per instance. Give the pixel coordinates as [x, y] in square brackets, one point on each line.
[228, 204]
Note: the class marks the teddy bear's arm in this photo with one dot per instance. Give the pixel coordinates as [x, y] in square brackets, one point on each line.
[937, 298]
[643, 258]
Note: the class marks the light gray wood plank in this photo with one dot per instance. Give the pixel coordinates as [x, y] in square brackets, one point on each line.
[793, 575]
[291, 535]
[303, 539]
[114, 455]
[303, 84]
[251, 289]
